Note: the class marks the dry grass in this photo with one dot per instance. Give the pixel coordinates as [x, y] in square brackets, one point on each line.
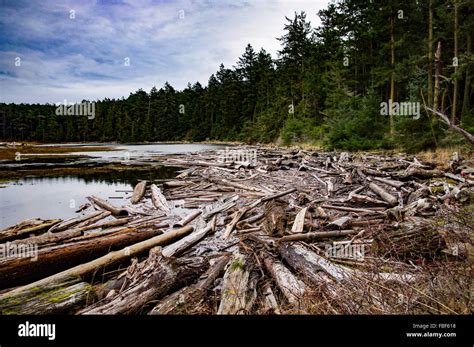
[441, 156]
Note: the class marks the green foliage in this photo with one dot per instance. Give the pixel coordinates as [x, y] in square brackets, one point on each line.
[299, 130]
[356, 124]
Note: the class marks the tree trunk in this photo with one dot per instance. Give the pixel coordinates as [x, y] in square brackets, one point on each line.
[392, 74]
[467, 82]
[292, 288]
[188, 300]
[234, 287]
[116, 211]
[430, 53]
[159, 200]
[26, 228]
[156, 277]
[456, 34]
[138, 192]
[54, 298]
[54, 259]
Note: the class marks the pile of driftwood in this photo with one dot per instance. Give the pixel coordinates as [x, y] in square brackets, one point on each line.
[286, 231]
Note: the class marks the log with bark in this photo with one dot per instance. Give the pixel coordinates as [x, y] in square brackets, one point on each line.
[234, 298]
[48, 261]
[26, 228]
[156, 277]
[54, 298]
[189, 300]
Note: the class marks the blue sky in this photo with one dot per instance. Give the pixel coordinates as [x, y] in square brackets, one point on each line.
[74, 50]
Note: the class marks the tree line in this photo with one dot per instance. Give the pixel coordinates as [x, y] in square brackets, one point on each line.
[327, 86]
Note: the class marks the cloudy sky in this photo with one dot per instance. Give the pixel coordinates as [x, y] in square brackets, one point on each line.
[85, 49]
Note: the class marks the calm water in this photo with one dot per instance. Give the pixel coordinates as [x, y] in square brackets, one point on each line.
[59, 197]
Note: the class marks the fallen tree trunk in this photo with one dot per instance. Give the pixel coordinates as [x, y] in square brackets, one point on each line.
[14, 274]
[234, 287]
[157, 277]
[26, 228]
[188, 300]
[317, 235]
[240, 213]
[383, 194]
[73, 221]
[187, 219]
[186, 242]
[159, 200]
[298, 224]
[116, 211]
[270, 302]
[292, 288]
[453, 126]
[225, 206]
[309, 264]
[55, 298]
[138, 192]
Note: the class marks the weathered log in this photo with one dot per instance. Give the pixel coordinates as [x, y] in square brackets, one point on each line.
[240, 213]
[352, 209]
[187, 219]
[316, 235]
[174, 184]
[234, 287]
[49, 237]
[21, 271]
[393, 183]
[367, 199]
[383, 194]
[418, 172]
[340, 223]
[157, 277]
[93, 220]
[77, 230]
[298, 224]
[247, 222]
[292, 288]
[270, 302]
[188, 300]
[138, 192]
[309, 264]
[73, 221]
[26, 228]
[186, 242]
[278, 195]
[55, 298]
[225, 206]
[116, 211]
[159, 200]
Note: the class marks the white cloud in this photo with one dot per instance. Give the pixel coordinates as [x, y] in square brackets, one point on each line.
[83, 58]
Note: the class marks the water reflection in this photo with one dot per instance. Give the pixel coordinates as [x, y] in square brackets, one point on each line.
[59, 197]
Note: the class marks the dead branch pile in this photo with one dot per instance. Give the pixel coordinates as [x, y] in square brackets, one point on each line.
[287, 231]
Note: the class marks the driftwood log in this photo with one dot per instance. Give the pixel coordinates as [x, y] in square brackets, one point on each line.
[157, 277]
